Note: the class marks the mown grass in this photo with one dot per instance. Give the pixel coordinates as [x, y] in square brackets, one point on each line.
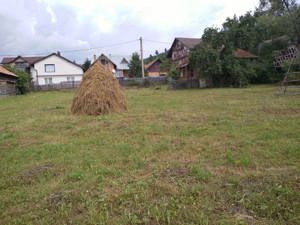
[211, 156]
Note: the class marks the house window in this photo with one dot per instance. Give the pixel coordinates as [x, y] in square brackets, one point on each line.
[20, 66]
[103, 62]
[70, 78]
[49, 68]
[48, 80]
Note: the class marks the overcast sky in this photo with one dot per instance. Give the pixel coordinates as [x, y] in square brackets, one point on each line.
[45, 26]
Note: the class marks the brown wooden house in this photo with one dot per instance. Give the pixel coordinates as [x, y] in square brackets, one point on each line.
[179, 54]
[21, 63]
[110, 65]
[8, 82]
[153, 68]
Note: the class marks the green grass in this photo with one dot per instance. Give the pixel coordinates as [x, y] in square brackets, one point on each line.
[211, 156]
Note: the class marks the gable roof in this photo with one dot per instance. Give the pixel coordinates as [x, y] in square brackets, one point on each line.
[6, 72]
[152, 62]
[187, 42]
[58, 55]
[108, 59]
[35, 59]
[120, 61]
[28, 59]
[242, 54]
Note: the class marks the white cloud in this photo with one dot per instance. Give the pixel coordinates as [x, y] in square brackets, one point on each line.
[49, 25]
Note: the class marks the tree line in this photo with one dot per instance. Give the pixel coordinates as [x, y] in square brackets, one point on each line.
[274, 25]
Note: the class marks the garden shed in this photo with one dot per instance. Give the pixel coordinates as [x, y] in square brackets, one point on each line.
[8, 82]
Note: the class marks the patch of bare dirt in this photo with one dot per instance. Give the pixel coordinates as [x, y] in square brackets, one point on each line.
[111, 191]
[30, 175]
[246, 218]
[61, 197]
[225, 170]
[175, 172]
[56, 199]
[280, 111]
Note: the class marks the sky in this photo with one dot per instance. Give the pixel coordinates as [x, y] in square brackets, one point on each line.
[41, 27]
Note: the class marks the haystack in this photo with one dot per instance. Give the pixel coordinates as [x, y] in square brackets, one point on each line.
[98, 93]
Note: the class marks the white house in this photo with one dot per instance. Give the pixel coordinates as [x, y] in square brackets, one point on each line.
[122, 63]
[51, 69]
[54, 69]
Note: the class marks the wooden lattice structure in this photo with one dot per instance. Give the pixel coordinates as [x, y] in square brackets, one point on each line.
[285, 56]
[291, 80]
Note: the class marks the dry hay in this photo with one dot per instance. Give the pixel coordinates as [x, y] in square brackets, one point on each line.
[98, 93]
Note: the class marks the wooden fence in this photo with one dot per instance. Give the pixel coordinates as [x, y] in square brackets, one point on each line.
[60, 86]
[184, 84]
[127, 82]
[143, 82]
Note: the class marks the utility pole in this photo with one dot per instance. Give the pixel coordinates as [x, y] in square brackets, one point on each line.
[142, 57]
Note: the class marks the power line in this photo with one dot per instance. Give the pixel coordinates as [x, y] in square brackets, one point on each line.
[160, 42]
[79, 50]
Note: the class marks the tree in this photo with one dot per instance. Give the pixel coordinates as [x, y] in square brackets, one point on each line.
[156, 52]
[206, 60]
[286, 11]
[165, 65]
[277, 7]
[135, 68]
[214, 59]
[86, 65]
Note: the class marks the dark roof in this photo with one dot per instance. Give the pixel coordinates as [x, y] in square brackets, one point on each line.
[242, 54]
[58, 55]
[108, 59]
[6, 72]
[34, 59]
[151, 63]
[187, 42]
[30, 59]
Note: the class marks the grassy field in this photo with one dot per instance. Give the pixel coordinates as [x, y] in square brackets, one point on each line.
[211, 156]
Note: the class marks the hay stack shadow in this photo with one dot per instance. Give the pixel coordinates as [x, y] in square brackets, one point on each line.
[99, 93]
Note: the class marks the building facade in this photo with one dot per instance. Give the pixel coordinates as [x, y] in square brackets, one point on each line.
[179, 55]
[8, 82]
[47, 70]
[55, 69]
[153, 68]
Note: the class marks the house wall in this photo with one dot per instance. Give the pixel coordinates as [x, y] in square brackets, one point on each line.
[180, 54]
[125, 73]
[119, 73]
[7, 86]
[180, 57]
[153, 74]
[154, 70]
[106, 62]
[21, 65]
[63, 69]
[110, 67]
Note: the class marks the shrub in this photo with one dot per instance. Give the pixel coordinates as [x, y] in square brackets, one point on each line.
[23, 82]
[173, 73]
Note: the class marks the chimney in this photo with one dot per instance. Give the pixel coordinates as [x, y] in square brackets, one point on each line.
[95, 58]
[58, 53]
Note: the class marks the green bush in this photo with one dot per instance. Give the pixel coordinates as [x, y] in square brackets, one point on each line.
[173, 73]
[23, 82]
